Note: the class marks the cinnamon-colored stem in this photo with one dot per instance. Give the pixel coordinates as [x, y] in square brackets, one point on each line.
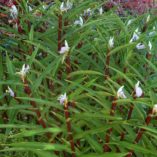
[33, 103]
[107, 73]
[68, 65]
[130, 111]
[109, 131]
[141, 132]
[69, 130]
[59, 32]
[37, 111]
[122, 136]
[148, 56]
[144, 28]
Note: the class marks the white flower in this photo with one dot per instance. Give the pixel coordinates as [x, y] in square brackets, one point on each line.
[79, 22]
[111, 42]
[153, 32]
[138, 90]
[62, 7]
[63, 99]
[148, 19]
[69, 5]
[120, 93]
[88, 12]
[65, 48]
[140, 46]
[135, 36]
[150, 45]
[10, 91]
[44, 7]
[13, 12]
[129, 22]
[154, 111]
[66, 6]
[30, 8]
[101, 11]
[24, 71]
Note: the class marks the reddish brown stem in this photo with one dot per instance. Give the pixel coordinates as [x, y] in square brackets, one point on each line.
[106, 145]
[141, 132]
[59, 40]
[37, 111]
[50, 84]
[122, 136]
[69, 130]
[68, 66]
[80, 44]
[107, 73]
[33, 103]
[20, 30]
[59, 32]
[109, 131]
[130, 111]
[144, 28]
[148, 56]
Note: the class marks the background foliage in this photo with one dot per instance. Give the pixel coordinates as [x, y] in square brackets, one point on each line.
[89, 93]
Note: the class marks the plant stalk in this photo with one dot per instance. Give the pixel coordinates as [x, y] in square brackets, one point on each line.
[141, 132]
[59, 32]
[109, 131]
[107, 73]
[69, 130]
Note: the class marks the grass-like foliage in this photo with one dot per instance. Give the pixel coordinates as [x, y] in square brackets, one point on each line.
[77, 82]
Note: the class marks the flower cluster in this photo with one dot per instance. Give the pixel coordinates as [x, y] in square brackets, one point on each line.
[13, 12]
[63, 99]
[137, 90]
[65, 48]
[64, 7]
[10, 92]
[25, 69]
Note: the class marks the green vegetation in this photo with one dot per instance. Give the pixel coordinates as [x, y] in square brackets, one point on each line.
[62, 72]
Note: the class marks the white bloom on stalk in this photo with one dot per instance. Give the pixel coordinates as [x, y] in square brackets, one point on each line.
[13, 12]
[79, 22]
[30, 8]
[66, 6]
[44, 7]
[120, 93]
[129, 22]
[69, 4]
[10, 92]
[65, 48]
[111, 42]
[154, 111]
[140, 46]
[135, 36]
[88, 12]
[63, 99]
[138, 90]
[150, 45]
[153, 32]
[25, 69]
[101, 11]
[62, 7]
[148, 19]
